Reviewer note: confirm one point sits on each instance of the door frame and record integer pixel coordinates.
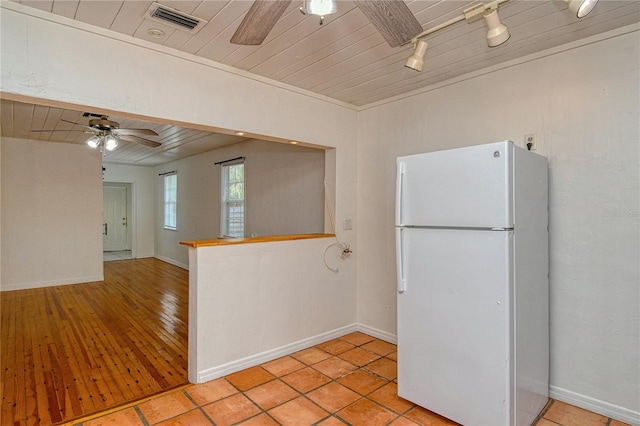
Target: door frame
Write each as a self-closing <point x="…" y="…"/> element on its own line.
<point x="131" y="208"/>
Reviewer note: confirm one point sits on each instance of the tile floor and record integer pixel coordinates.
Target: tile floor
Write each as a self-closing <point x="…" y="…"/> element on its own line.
<point x="116" y="255"/>
<point x="346" y="381"/>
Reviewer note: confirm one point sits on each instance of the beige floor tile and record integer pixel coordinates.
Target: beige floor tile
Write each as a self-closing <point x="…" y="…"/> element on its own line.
<point x="362" y="382"/>
<point x="305" y="380"/>
<point x="384" y="367"/>
<point x="271" y="394"/>
<point x="282" y="366"/>
<point x="231" y="410"/>
<point x="336" y="346"/>
<point x="387" y="396"/>
<point x="427" y="418"/>
<point x="403" y="421"/>
<point x="249" y="378"/>
<point x="334" y="367"/>
<point x="380" y="347"/>
<point x="299" y="412"/>
<point x="359" y="356"/>
<point x="357" y="338"/>
<point x="332" y="421"/>
<point x="311" y="355"/>
<point x="211" y="391"/>
<point x="366" y="413"/>
<point x="165" y="407"/>
<point x="569" y="415"/>
<point x="333" y="397"/>
<point x="260" y="420"/>
<point x="192" y="418"/>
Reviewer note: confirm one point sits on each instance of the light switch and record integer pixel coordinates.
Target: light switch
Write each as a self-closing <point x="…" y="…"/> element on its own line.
<point x="347" y="224"/>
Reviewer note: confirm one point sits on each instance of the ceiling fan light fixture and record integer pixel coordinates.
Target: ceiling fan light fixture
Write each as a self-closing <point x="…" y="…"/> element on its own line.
<point x="320" y="7"/>
<point x="497" y="32"/>
<point x="416" y="60"/>
<point x="94" y="141"/>
<point x="581" y="8"/>
<point x="110" y="142"/>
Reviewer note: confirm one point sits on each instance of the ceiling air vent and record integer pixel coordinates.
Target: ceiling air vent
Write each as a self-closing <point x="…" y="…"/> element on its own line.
<point x="175" y="18"/>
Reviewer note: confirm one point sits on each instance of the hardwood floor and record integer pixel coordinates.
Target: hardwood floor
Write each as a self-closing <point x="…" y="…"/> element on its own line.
<point x="68" y="351"/>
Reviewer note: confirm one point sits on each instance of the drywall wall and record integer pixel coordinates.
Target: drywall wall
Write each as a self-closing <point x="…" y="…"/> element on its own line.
<point x="284" y="194"/>
<point x="262" y="301"/>
<point x="143" y="197"/>
<point x="583" y="105"/>
<point x="51" y="214"/>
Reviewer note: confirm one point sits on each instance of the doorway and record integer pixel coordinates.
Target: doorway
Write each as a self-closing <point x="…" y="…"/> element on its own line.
<point x="116" y="223"/>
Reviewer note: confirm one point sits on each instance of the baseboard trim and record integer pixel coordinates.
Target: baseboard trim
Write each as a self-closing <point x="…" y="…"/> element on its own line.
<point x="604" y="408"/>
<point x="173" y="262"/>
<point x="379" y="334"/>
<point x="52" y="283"/>
<point x="260" y="358"/>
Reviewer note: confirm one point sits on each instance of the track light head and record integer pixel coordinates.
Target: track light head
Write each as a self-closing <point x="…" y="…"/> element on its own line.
<point x="497" y="32"/>
<point x="581" y="8"/>
<point x="416" y="60"/>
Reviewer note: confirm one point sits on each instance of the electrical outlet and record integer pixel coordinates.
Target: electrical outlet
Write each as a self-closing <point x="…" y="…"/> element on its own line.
<point x="530" y="141"/>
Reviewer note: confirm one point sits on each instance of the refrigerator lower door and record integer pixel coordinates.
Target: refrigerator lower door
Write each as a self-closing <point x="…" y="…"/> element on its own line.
<point x="455" y="354"/>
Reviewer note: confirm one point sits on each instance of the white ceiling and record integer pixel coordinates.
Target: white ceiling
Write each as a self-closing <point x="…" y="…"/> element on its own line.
<point x="345" y="58"/>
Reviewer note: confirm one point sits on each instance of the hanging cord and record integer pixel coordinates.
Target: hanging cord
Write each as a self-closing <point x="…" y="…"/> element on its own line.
<point x="346" y="249"/>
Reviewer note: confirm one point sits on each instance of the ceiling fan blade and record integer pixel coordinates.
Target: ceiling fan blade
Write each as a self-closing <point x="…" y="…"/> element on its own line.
<point x="258" y="22"/>
<point x="136" y="139"/>
<point x="77" y="124"/>
<point x="392" y="18"/>
<point x="55" y="130"/>
<point x="135" y="132"/>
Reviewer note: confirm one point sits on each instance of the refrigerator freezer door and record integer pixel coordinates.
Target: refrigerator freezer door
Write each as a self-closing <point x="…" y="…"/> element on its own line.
<point x="454" y="320"/>
<point x="465" y="187"/>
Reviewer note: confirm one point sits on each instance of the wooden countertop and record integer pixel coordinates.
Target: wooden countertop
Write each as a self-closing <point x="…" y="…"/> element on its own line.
<point x="265" y="239"/>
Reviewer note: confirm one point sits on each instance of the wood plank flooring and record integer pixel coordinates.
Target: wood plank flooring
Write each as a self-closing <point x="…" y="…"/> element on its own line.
<point x="68" y="351"/>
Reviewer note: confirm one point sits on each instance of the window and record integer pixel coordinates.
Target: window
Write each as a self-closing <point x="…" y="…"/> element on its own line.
<point x="232" y="215"/>
<point x="170" y="200"/>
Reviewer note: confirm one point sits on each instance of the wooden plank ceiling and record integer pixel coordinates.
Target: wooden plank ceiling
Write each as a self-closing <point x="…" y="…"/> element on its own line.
<point x="345" y="58"/>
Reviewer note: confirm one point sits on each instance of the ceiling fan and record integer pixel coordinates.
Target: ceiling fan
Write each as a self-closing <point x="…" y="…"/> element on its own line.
<point x="107" y="133"/>
<point x="392" y="18"/>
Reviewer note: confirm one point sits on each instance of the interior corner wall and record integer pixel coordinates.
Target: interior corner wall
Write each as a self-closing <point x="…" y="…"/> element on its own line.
<point x="583" y="106"/>
<point x="51" y="214"/>
<point x="142" y="181"/>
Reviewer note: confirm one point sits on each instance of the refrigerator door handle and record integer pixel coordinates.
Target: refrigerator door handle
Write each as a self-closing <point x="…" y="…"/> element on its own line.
<point x="399" y="263"/>
<point x="399" y="176"/>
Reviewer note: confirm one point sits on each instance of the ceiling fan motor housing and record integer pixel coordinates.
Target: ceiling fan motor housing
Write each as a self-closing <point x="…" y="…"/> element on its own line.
<point x="103" y="124"/>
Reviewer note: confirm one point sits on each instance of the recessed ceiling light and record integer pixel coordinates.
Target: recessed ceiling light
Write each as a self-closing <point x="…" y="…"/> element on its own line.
<point x="294" y="142"/>
<point x="239" y="133"/>
<point x="155" y="33"/>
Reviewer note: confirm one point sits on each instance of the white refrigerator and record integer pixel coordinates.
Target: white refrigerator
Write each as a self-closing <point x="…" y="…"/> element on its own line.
<point x="472" y="277"/>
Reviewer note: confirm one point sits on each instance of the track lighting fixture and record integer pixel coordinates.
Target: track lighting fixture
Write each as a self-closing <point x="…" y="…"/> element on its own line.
<point x="416" y="61"/>
<point x="581" y="8"/>
<point x="497" y="32"/>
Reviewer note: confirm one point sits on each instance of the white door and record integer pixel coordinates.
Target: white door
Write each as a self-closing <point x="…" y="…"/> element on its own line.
<point x="464" y="187"/>
<point x="114" y="218"/>
<point x="454" y="319"/>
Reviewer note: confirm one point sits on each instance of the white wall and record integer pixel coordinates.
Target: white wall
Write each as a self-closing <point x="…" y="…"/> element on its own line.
<point x="51" y="214"/>
<point x="583" y="106"/>
<point x="256" y="302"/>
<point x="284" y="190"/>
<point x="143" y="197"/>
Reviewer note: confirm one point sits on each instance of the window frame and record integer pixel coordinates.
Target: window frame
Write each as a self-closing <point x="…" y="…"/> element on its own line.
<point x="225" y="230"/>
<point x="170" y="203"/>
